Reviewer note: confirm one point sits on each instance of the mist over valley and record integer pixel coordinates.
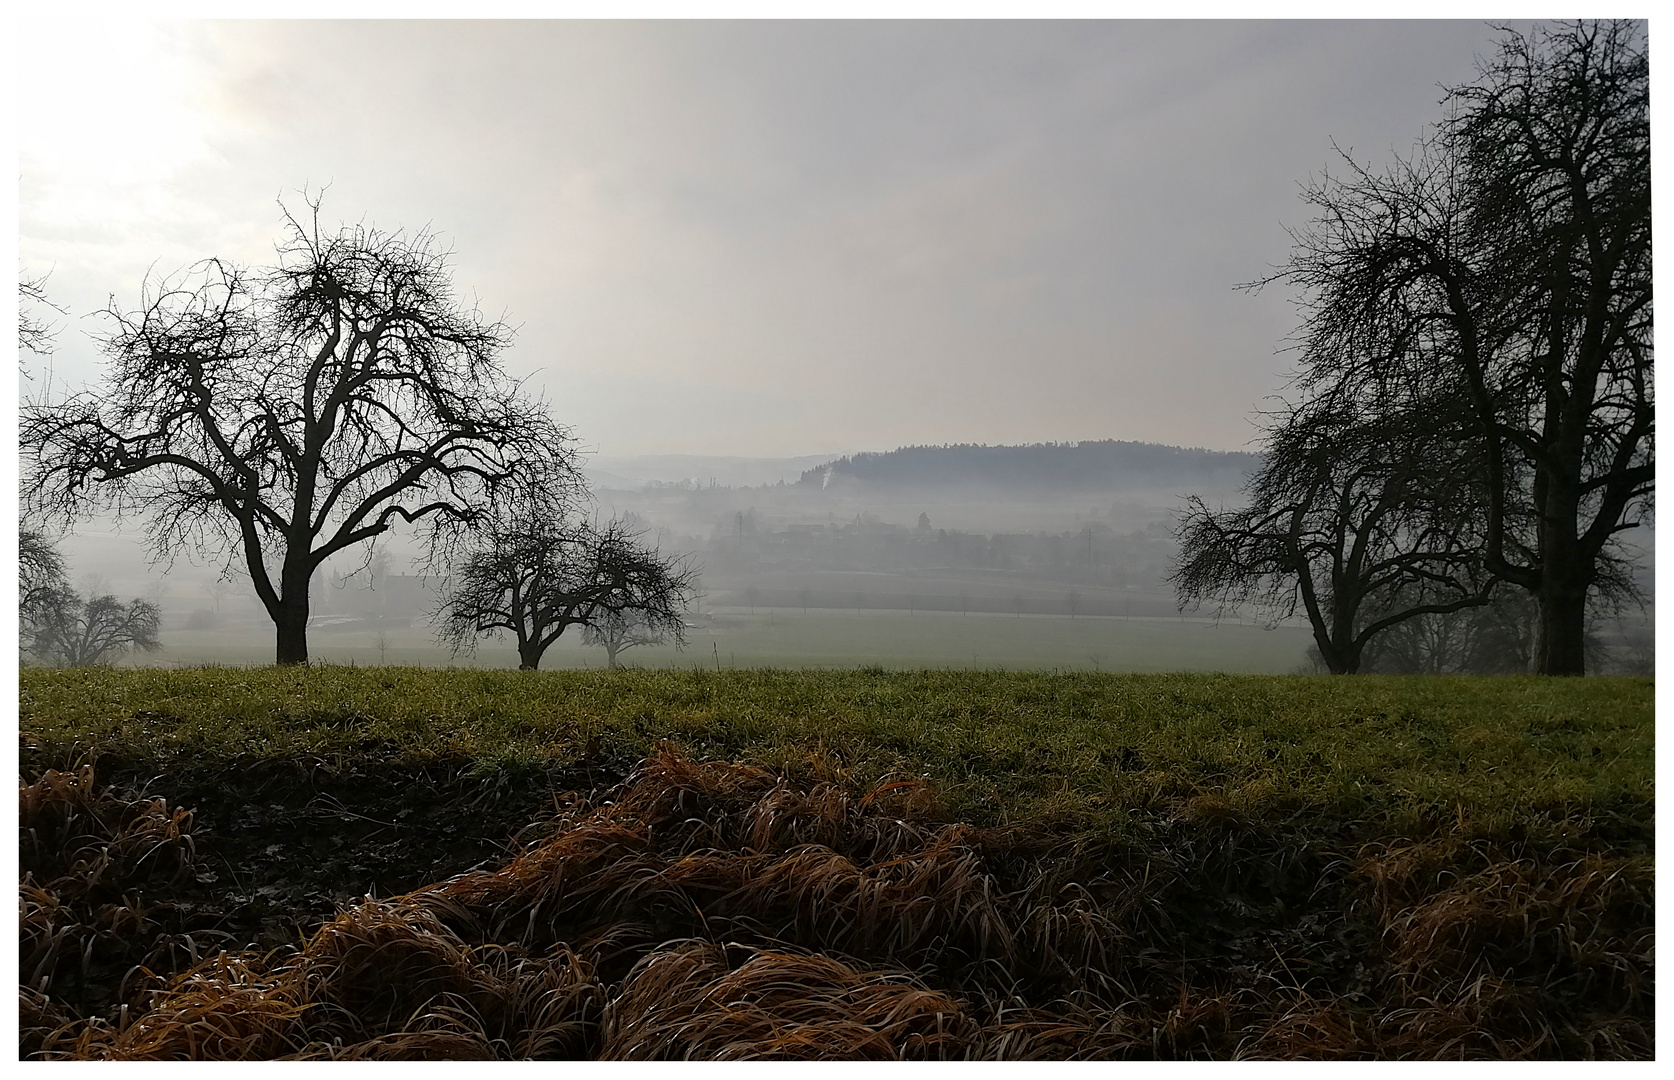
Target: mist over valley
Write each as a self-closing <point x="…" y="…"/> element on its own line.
<point x="1051" y="554"/>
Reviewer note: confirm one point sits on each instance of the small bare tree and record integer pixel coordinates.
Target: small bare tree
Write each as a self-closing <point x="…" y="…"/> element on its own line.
<point x="76" y="632"/>
<point x="279" y="416"/>
<point x="537" y="578"/>
<point x="618" y="631"/>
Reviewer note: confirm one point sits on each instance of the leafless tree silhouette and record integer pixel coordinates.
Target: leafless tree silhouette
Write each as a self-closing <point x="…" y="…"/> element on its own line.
<point x="1360" y="520"/>
<point x="281" y="415"/>
<point x="73" y="632"/>
<point x="536" y="577"/>
<point x="1511" y="256"/>
<point x="618" y="631"/>
<point x="40" y="581"/>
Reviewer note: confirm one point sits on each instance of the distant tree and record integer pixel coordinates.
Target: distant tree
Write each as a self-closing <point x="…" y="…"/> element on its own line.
<point x="76" y="632"/>
<point x="280" y="416"/>
<point x="537" y="578"/>
<point x="40" y="582"/>
<point x="1497" y="638"/>
<point x="1511" y="256"/>
<point x="217" y="591"/>
<point x="618" y="631"/>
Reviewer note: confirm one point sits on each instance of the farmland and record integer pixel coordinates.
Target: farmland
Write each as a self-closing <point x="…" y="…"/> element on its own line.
<point x="947" y="863"/>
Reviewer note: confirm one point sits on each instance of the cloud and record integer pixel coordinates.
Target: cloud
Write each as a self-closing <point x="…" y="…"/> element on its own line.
<point x="762" y="237"/>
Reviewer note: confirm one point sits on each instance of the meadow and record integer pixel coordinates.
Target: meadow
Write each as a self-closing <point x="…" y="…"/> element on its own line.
<point x="739" y="637"/>
<point x="752" y="863"/>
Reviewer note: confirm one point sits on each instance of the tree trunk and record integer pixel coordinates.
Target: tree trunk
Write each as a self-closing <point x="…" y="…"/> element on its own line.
<point x="1566" y="571"/>
<point x="610" y="653"/>
<point x="1335" y="640"/>
<point x="1561" y="632"/>
<point x="1341" y="658"/>
<point x="292" y="624"/>
<point x="291" y="620"/>
<point x="529" y="655"/>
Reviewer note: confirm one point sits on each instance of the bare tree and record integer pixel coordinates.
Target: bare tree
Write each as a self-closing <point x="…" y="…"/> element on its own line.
<point x="1361" y="522"/>
<point x="76" y="632"/>
<point x="537" y="577"/>
<point x="1494" y="639"/>
<point x="40" y="581"/>
<point x="281" y="415"/>
<point x="618" y="631"/>
<point x="1512" y="255"/>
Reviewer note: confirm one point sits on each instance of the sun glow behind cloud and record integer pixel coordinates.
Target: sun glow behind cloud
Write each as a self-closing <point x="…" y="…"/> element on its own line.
<point x="124" y="139"/>
<point x="115" y="108"/>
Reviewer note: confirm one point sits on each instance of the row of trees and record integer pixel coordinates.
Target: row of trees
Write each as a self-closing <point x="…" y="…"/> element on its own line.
<point x="1474" y="407"/>
<point x="276" y="417"/>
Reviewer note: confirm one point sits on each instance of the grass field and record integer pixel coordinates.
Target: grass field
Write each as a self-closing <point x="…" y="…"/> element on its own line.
<point x="1051" y="864"/>
<point x="1017" y="740"/>
<point x="791" y="638"/>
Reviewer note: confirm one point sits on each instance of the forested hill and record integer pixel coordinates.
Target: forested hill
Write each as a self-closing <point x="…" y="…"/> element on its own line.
<point x="1105" y="465"/>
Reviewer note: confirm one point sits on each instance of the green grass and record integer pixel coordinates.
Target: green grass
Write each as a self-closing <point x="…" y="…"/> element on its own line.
<point x="1082" y="746"/>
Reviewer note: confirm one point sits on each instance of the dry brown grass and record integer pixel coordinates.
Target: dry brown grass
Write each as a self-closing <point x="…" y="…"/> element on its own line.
<point x="700" y="1000"/>
<point x="1514" y="958"/>
<point x="76" y="836"/>
<point x="384" y="980"/>
<point x="87" y="859"/>
<point x="686" y="849"/>
<point x="718" y="911"/>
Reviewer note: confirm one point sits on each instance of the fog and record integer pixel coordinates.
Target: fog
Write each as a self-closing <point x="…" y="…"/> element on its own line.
<point x="794" y="567"/>
<point x="801" y="563"/>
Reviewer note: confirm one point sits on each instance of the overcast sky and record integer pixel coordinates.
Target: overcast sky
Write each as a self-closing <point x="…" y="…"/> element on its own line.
<point x="756" y="238"/>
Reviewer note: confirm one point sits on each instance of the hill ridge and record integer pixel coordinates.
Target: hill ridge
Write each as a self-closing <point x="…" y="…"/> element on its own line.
<point x="1083" y="464"/>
